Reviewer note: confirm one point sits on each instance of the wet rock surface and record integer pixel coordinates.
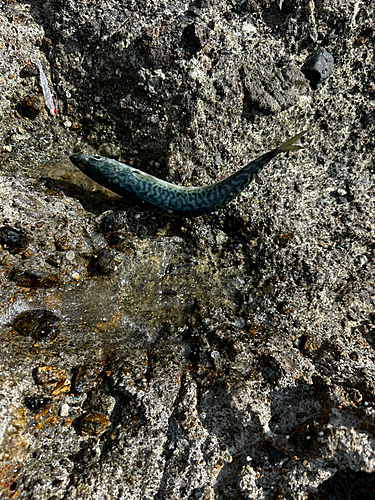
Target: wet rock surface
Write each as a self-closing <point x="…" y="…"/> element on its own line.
<point x="228" y="356"/>
<point x="38" y="324"/>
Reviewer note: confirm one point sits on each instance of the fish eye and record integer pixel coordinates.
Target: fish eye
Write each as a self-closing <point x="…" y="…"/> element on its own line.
<point x="97" y="157"/>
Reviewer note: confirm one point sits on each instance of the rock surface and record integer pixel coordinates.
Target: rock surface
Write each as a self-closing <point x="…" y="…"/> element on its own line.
<point x="228" y="356"/>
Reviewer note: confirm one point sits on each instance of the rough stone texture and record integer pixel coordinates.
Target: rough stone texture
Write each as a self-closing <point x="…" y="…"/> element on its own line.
<point x="229" y="356"/>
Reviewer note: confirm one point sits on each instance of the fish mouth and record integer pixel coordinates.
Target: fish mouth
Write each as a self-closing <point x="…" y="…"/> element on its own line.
<point x="78" y="160"/>
<point x="76" y="157"/>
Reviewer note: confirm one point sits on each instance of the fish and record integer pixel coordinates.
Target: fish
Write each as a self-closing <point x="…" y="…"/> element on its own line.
<point x="177" y="200"/>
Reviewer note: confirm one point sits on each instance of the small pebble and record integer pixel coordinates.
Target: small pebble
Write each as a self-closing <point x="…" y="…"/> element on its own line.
<point x="27" y="254"/>
<point x="218" y="161"/>
<point x="62" y="386"/>
<point x="48" y="375"/>
<point x="70" y="255"/>
<point x="36" y="403"/>
<point x="94" y="424"/>
<point x="362" y="260"/>
<point x="75" y="126"/>
<point x="64" y="410"/>
<point x="38" y="324"/>
<point x="33" y="104"/>
<point x="63" y="242"/>
<point x="12" y="239"/>
<point x="318" y="67"/>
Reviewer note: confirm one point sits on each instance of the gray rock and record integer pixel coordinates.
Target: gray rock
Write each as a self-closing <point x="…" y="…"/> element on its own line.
<point x="318" y="67"/>
<point x="275" y="282"/>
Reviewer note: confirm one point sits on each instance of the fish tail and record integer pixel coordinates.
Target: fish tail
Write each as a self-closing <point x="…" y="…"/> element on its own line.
<point x="289" y="144"/>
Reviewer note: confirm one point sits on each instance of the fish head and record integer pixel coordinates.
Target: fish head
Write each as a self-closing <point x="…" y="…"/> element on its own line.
<point x="88" y="164"/>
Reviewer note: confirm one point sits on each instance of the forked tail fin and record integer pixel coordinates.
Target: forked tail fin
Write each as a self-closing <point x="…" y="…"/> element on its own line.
<point x="289" y="144"/>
